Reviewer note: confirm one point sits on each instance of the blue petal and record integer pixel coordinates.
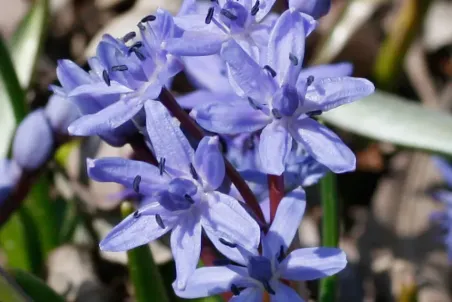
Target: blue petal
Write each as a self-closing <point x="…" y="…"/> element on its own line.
<point x="167" y="139"/>
<point x="186" y="248"/>
<point x="107" y="119"/>
<point x="209" y="162"/>
<point x="325" y="71"/>
<point x="187" y="7"/>
<point x="286" y="222"/>
<point x="124" y="171"/>
<point x="238" y="228"/>
<point x="324" y="145"/>
<point x="209" y="281"/>
<point x="10" y="173"/>
<point x="61" y="113"/>
<point x="202" y="97"/>
<point x="286" y="100"/>
<point x="193" y="43"/>
<point x="230" y="118"/>
<point x="328" y="93"/>
<point x="312" y="263"/>
<point x="285" y="293"/>
<point x="264" y="8"/>
<point x="274" y="147"/>
<point x="445" y="168"/>
<point x="207" y="72"/>
<point x="99" y="89"/>
<point x="286" y="47"/>
<point x="135" y="231"/>
<point x="71" y="75"/>
<point x="33" y="141"/>
<point x="444" y="196"/>
<point x="315" y="8"/>
<point x="253" y="294"/>
<point x="249" y="78"/>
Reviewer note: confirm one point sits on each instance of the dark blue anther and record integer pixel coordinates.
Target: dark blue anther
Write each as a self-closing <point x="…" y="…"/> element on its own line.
<point x="227" y="243"/>
<point x="209" y="15"/>
<point x="193" y="172"/>
<point x="270" y="70"/>
<point x="281" y="254"/>
<point x="148" y="18"/>
<point x="189" y="198"/>
<point x="268" y="288"/>
<point x="136" y="214"/>
<point x="221" y="262"/>
<point x="119" y="68"/>
<point x="141" y="26"/>
<point x="314" y="113"/>
<point x="310" y="80"/>
<point x="162" y="165"/>
<point x="293" y="59"/>
<point x="136" y="183"/>
<point x="276" y="113"/>
<point x="129" y="36"/>
<point x="139" y="55"/>
<point x="253" y="104"/>
<point x="106" y="77"/>
<point x="255" y="8"/>
<point x="235" y="290"/>
<point x="228" y="14"/>
<point x="159" y="221"/>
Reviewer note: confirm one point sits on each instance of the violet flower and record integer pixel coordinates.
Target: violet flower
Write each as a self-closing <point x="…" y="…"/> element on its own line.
<point x="179" y="196"/>
<point x="250" y="275"/>
<point x="282" y="103"/>
<point x="10" y="173"/>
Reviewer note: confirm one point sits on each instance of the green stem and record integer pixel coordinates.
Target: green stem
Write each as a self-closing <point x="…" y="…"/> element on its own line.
<point x="330" y="231"/>
<point x="407" y="25"/>
<point x="144" y="273"/>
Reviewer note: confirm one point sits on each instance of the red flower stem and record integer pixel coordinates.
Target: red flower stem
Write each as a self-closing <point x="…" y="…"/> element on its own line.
<point x="276" y="192"/>
<point x="167" y="99"/>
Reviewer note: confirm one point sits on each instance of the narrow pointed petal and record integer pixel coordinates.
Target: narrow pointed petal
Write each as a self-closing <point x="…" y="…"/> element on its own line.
<point x="247" y="74"/>
<point x="230" y="118"/>
<point x="71" y="75"/>
<point x="209" y="162"/>
<point x="285" y="293"/>
<point x="61" y="112"/>
<point x="324" y="145"/>
<point x="99" y="89"/>
<point x="136" y="230"/>
<point x="252" y="294"/>
<point x="186" y="248"/>
<point x="124" y="171"/>
<point x="209" y="281"/>
<point x="274" y="147"/>
<point x="312" y="263"/>
<point x="264" y="8"/>
<point x="166" y="137"/>
<point x="287" y="220"/>
<point x="325" y="71"/>
<point x="196" y="44"/>
<point x="202" y="97"/>
<point x="328" y="93"/>
<point x="236" y="254"/>
<point x="107" y="119"/>
<point x="315" y="8"/>
<point x="445" y="168"/>
<point x="197" y="23"/>
<point x="208" y="72"/>
<point x="286" y="47"/>
<point x="238" y="228"/>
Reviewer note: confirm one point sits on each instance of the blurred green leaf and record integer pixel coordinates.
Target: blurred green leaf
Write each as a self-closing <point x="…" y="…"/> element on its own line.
<point x="12" y="100"/>
<point x="145" y="275"/>
<point x="387" y="117"/>
<point x="35" y="287"/>
<point x="9" y="291"/>
<point x="353" y="17"/>
<point x="20" y="243"/>
<point x="27" y="41"/>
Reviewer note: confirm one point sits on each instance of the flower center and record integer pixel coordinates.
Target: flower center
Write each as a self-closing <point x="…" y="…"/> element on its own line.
<point x="260" y="268"/>
<point x="180" y="195"/>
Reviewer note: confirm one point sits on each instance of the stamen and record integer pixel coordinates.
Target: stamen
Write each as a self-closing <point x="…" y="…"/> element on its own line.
<point x="148" y="18"/>
<point x="159" y="221"/>
<point x="136" y="183"/>
<point x="314" y="113"/>
<point x="270" y="70"/>
<point x="139" y="55"/>
<point x="129" y="36"/>
<point x="209" y="15"/>
<point x="276" y="113"/>
<point x="235" y="290"/>
<point x="253" y="104"/>
<point x="268" y="288"/>
<point x="281" y="254"/>
<point x="137" y="44"/>
<point x="221" y="262"/>
<point x="227" y="243"/>
<point x="119" y="68"/>
<point x="141" y="26"/>
<point x="106" y="77"/>
<point x="255" y="8"/>
<point x="136" y="214"/>
<point x="189" y="198"/>
<point x="293" y="59"/>
<point x="228" y="14"/>
<point x="162" y="165"/>
<point x="193" y="172"/>
<point x="310" y="80"/>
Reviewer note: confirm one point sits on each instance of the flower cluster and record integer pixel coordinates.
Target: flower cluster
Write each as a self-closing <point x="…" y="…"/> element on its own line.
<point x="261" y="107"/>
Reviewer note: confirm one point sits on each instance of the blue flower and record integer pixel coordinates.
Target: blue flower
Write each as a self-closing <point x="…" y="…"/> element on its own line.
<point x="179" y="195"/>
<point x="61" y="113"/>
<point x="125" y="73"/>
<point x="10" y="173"/>
<point x="315" y="8"/>
<point x="246" y="22"/>
<point x="282" y="102"/>
<point x="255" y="274"/>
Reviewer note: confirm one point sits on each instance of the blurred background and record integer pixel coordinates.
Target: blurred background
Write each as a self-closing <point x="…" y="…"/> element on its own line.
<point x="395" y="251"/>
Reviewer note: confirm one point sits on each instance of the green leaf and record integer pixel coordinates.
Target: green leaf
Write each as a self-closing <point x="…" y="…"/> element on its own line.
<point x="27" y="41"/>
<point x="12" y="100"/>
<point x="387" y="117"/>
<point x="9" y="291"/>
<point x="146" y="278"/>
<point x="37" y="289"/>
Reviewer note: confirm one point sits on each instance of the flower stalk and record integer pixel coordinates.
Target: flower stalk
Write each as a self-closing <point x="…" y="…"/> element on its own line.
<point x="276" y="192"/>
